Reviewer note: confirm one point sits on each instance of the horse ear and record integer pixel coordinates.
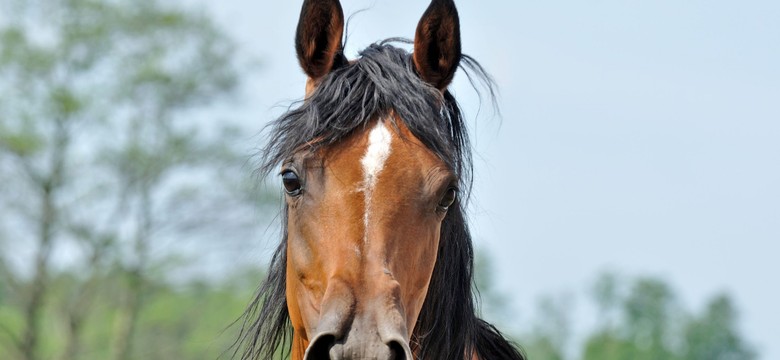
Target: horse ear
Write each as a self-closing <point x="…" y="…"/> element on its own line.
<point x="318" y="38"/>
<point x="437" y="44"/>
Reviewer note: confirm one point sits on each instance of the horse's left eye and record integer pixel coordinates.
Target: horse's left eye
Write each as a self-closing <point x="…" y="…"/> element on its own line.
<point x="292" y="183"/>
<point x="449" y="198"/>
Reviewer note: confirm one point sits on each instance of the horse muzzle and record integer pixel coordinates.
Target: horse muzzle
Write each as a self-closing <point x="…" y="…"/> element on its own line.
<point x="358" y="346"/>
<point x="372" y="332"/>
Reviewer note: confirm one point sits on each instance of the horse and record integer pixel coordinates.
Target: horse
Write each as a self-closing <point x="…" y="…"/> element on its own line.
<point x="376" y="259"/>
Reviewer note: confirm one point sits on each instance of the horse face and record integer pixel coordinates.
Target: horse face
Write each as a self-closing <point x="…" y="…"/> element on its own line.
<point x="365" y="213"/>
<point x="364" y="220"/>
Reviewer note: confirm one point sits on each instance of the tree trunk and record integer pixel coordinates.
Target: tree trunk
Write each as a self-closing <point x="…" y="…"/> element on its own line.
<point x="129" y="316"/>
<point x="73" y="345"/>
<point x="78" y="311"/>
<point x="136" y="278"/>
<point x="49" y="186"/>
<point x="29" y="345"/>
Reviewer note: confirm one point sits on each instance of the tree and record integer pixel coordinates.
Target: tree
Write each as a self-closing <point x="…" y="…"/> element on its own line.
<point x="714" y="335"/>
<point x="605" y="293"/>
<point x="552" y="329"/>
<point x="101" y="154"/>
<point x="646" y="324"/>
<point x="650" y="310"/>
<point x="651" y="325"/>
<point x="493" y="303"/>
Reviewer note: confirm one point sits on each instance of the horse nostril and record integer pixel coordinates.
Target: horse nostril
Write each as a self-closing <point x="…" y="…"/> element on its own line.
<point x="397" y="351"/>
<point x="319" y="349"/>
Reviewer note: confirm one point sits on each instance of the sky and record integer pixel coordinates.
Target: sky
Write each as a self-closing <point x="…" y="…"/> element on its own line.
<point x="641" y="137"/>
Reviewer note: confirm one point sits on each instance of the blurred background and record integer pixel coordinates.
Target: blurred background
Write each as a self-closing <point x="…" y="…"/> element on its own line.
<point x="626" y="201"/>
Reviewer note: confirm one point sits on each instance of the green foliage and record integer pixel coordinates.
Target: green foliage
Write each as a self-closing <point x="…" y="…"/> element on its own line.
<point x="494" y="304"/>
<point x="96" y="105"/>
<point x="605" y="294"/>
<point x="180" y="321"/>
<point x="638" y="320"/>
<point x="552" y="329"/>
<point x="649" y="310"/>
<point x="714" y="336"/>
<point x="18" y="53"/>
<point x="24" y="142"/>
<point x="65" y="102"/>
<point x="542" y="348"/>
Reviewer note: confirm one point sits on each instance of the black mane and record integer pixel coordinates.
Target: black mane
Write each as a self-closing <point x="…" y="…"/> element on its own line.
<point x="381" y="81"/>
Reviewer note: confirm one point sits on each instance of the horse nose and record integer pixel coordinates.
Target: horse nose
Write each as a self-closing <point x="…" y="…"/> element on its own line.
<point x="319" y="349"/>
<point x="399" y="350"/>
<point x="327" y="347"/>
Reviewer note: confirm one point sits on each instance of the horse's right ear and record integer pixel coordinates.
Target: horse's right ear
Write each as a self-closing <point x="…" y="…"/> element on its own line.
<point x="318" y="39"/>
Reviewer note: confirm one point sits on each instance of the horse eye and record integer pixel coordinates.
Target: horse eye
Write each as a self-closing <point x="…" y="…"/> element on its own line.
<point x="291" y="182"/>
<point x="449" y="198"/>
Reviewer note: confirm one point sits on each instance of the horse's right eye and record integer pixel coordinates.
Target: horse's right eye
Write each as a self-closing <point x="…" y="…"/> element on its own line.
<point x="292" y="183"/>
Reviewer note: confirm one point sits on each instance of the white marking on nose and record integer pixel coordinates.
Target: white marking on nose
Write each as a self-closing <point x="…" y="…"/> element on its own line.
<point x="379" y="141"/>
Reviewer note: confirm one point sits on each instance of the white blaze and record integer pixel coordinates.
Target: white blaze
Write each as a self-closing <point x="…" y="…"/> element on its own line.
<point x="377" y="153"/>
<point x="373" y="161"/>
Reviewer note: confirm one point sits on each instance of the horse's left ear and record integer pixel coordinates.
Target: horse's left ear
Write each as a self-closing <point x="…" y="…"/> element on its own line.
<point x="318" y="38"/>
<point x="437" y="44"/>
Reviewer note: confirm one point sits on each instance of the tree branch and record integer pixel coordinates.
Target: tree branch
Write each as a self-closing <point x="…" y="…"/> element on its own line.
<point x="6" y="273"/>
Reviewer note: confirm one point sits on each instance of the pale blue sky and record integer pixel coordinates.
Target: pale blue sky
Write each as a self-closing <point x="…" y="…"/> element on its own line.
<point x="637" y="136"/>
